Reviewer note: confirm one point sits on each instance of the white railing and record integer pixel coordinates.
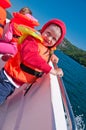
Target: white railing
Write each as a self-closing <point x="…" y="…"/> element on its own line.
<point x="63" y="114"/>
<point x="71" y="123"/>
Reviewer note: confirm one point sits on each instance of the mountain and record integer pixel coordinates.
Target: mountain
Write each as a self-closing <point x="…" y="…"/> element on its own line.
<point x="74" y="52"/>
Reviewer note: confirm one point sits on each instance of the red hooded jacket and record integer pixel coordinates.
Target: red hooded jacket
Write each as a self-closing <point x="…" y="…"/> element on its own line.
<point x="32" y="55"/>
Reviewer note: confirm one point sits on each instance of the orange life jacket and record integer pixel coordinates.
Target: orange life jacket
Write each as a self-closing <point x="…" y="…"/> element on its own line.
<point x="24" y="21"/>
<point x="3" y="5"/>
<point x="2" y="20"/>
<point x="16" y="33"/>
<point x="12" y="67"/>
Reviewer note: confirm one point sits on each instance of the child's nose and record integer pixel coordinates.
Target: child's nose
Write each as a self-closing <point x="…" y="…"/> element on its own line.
<point x="50" y="39"/>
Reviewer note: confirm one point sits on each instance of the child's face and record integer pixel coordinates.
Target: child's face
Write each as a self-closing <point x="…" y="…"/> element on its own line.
<point x="51" y="35"/>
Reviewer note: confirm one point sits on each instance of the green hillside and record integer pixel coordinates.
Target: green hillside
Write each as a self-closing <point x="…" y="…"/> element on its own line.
<point x="74" y="52"/>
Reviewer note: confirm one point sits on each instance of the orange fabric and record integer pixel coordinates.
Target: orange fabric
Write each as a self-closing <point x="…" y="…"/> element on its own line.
<point x="2" y="15"/>
<point x="5" y="3"/>
<point x="2" y="20"/>
<point x="17" y="74"/>
<point x="22" y="19"/>
<point x="16" y="32"/>
<point x="12" y="67"/>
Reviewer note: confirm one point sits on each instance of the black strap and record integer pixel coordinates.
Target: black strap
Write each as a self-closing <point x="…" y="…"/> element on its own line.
<point x="30" y="71"/>
<point x="28" y="89"/>
<point x="1" y="25"/>
<point x="15" y="36"/>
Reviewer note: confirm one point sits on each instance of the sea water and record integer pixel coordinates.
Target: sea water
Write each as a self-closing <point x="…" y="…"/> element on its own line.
<point x="75" y="83"/>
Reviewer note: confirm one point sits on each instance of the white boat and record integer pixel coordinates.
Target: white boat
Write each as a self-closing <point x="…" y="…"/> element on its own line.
<point x="45" y="107"/>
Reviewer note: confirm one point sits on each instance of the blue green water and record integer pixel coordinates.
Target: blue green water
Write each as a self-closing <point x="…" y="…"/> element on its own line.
<point x="75" y="83"/>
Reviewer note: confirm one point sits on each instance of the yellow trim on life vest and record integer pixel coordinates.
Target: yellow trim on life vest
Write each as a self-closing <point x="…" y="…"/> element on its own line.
<point x="29" y="31"/>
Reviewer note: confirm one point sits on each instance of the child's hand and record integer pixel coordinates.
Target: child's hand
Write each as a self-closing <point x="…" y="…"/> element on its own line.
<point x="54" y="58"/>
<point x="57" y="71"/>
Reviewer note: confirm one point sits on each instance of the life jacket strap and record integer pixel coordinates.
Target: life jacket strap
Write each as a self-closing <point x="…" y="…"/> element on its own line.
<point x="15" y="36"/>
<point x="30" y="71"/>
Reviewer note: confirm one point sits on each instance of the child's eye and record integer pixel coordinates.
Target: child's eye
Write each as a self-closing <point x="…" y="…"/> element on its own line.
<point x="54" y="39"/>
<point x="48" y="34"/>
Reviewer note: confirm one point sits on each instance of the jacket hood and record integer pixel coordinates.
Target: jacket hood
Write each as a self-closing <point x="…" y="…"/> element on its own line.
<point x="58" y="23"/>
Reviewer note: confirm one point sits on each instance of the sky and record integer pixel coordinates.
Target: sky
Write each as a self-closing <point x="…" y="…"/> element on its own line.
<point x="71" y="12"/>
